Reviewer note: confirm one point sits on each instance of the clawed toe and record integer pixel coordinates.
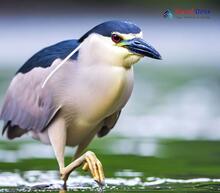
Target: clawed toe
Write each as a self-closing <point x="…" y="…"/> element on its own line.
<point x="94" y="165"/>
<point x="91" y="163"/>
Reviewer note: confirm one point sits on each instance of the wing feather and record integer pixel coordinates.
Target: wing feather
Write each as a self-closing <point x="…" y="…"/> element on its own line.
<point x="27" y="106"/>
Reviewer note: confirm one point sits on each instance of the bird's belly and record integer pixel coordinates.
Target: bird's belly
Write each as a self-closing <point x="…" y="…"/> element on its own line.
<point x="105" y="94"/>
<point x="96" y="98"/>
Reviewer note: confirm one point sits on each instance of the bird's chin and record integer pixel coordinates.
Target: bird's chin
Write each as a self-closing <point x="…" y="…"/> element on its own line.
<point x="131" y="59"/>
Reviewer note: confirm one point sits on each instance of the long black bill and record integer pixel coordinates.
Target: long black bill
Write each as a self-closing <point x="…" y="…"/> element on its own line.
<point x="139" y="46"/>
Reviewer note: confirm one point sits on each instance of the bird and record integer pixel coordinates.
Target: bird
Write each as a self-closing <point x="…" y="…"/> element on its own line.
<point x="70" y="92"/>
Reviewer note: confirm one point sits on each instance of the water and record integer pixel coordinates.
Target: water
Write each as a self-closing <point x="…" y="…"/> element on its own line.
<point x="174" y="165"/>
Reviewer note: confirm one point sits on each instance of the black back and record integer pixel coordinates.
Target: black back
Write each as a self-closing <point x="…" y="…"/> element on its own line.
<point x="45" y="57"/>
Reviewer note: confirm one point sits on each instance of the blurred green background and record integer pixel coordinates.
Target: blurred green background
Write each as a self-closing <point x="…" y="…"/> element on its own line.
<point x="167" y="136"/>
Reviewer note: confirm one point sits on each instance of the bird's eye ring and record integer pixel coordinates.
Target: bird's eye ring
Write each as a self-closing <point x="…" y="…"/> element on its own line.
<point x="116" y="38"/>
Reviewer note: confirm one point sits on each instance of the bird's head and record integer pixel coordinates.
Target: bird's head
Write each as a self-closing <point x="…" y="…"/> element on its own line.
<point x="117" y="43"/>
<point x="112" y="43"/>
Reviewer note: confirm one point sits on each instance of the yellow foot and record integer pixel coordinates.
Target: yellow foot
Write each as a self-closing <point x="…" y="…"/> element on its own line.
<point x="90" y="162"/>
<point x="94" y="165"/>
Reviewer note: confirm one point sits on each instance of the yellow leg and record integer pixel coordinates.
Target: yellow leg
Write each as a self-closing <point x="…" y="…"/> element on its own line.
<point x="90" y="162"/>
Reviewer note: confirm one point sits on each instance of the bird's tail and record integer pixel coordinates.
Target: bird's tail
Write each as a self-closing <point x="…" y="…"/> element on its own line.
<point x="12" y="131"/>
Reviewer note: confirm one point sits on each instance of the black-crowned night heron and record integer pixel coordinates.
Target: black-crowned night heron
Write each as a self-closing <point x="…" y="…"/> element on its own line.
<point x="69" y="92"/>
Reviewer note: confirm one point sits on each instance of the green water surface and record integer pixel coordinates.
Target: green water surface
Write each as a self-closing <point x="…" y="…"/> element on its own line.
<point x="173" y="159"/>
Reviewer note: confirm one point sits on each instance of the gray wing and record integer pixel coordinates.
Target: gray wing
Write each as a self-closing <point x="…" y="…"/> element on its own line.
<point x="109" y="123"/>
<point x="27" y="106"/>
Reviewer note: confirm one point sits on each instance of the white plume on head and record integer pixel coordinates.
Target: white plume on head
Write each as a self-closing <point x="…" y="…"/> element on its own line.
<point x="59" y="65"/>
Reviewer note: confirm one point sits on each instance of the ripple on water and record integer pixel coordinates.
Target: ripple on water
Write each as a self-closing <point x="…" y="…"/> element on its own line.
<point x="32" y="180"/>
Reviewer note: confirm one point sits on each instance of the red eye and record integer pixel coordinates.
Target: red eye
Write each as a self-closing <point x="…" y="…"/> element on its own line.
<point x="116" y="38"/>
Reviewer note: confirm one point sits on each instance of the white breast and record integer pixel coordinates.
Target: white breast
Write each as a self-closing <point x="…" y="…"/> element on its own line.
<point x="96" y="93"/>
<point x="104" y="91"/>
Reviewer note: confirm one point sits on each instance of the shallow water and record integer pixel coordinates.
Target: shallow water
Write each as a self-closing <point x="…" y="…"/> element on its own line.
<point x="47" y="181"/>
<point x="173" y="165"/>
